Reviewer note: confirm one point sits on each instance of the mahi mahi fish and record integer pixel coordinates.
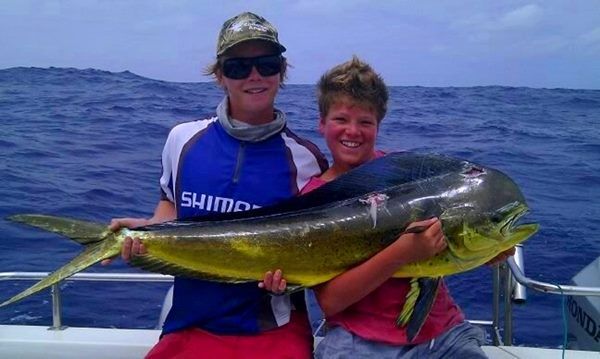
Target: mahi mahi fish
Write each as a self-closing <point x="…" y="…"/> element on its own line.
<point x="317" y="236"/>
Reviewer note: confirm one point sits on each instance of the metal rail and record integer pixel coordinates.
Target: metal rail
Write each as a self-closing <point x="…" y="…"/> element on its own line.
<point x="551" y="288"/>
<point x="96" y="277"/>
<point x="511" y="283"/>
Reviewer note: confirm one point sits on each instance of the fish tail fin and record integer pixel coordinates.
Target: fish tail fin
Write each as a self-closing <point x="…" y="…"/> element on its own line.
<point x="419" y="301"/>
<point x="82" y="232"/>
<point x="93" y="254"/>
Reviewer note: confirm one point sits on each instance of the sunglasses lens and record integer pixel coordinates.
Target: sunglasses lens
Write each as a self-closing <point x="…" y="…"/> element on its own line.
<point x="237" y="69"/>
<point x="240" y="68"/>
<point x="268" y="65"/>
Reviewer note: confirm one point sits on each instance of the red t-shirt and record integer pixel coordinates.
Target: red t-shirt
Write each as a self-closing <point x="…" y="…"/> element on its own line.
<point x="374" y="316"/>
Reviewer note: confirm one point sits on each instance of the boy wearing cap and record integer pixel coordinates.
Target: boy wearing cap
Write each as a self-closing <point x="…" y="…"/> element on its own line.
<point x="244" y="157"/>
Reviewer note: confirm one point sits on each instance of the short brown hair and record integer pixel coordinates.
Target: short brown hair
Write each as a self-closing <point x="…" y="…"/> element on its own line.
<point x="358" y="81"/>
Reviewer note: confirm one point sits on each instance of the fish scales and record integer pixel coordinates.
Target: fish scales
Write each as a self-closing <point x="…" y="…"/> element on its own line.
<point x="331" y="235"/>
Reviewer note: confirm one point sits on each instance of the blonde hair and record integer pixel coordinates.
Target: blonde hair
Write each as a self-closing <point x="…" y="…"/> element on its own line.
<point x="356" y="80"/>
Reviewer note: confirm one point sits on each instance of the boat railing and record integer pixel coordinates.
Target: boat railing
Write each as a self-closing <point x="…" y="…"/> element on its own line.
<point x="508" y="280"/>
<point x="509" y="286"/>
<point x="89" y="277"/>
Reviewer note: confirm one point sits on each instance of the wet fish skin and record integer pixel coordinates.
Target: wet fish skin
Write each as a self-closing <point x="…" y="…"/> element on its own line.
<point x="478" y="206"/>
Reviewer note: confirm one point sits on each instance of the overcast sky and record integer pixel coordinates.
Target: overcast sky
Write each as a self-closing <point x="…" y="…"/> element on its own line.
<point x="427" y="43"/>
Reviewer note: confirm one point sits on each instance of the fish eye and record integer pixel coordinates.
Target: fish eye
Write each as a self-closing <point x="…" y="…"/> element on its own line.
<point x="496" y="218"/>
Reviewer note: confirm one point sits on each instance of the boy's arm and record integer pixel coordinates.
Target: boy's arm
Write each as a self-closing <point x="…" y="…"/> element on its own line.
<point x="354" y="284"/>
<point x="164" y="211"/>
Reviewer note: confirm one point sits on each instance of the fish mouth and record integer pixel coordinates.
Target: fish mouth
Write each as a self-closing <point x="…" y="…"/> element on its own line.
<point x="482" y="242"/>
<point x="512" y="212"/>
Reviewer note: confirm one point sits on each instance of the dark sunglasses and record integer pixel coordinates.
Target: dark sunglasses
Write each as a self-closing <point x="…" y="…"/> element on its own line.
<point x="240" y="67"/>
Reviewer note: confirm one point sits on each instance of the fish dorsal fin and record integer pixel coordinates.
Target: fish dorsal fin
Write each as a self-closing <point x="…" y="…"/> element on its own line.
<point x="156" y="265"/>
<point x="390" y="170"/>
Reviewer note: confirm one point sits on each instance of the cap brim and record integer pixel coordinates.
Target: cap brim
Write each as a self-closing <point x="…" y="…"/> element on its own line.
<point x="267" y="39"/>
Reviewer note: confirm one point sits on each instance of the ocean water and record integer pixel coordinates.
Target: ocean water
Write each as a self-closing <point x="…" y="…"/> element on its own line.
<point x="87" y="144"/>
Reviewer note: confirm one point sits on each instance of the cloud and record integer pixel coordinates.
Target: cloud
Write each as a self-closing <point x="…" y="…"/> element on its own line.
<point x="591" y="37"/>
<point x="545" y="45"/>
<point x="327" y="7"/>
<point x="179" y="22"/>
<point x="469" y="41"/>
<point x="525" y="16"/>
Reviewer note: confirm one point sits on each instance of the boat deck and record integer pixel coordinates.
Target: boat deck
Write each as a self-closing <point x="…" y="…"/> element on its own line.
<point x="26" y="341"/>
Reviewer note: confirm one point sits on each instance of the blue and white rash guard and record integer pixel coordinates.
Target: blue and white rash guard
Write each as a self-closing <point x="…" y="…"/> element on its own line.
<point x="206" y="170"/>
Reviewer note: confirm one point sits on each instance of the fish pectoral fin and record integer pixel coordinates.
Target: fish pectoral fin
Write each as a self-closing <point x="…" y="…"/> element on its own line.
<point x="82" y="232"/>
<point x="474" y="241"/>
<point x="154" y="264"/>
<point x="419" y="301"/>
<point x="409" y="303"/>
<point x="93" y="254"/>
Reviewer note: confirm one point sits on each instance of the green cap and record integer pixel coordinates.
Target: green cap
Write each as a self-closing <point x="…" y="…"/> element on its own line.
<point x="243" y="27"/>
